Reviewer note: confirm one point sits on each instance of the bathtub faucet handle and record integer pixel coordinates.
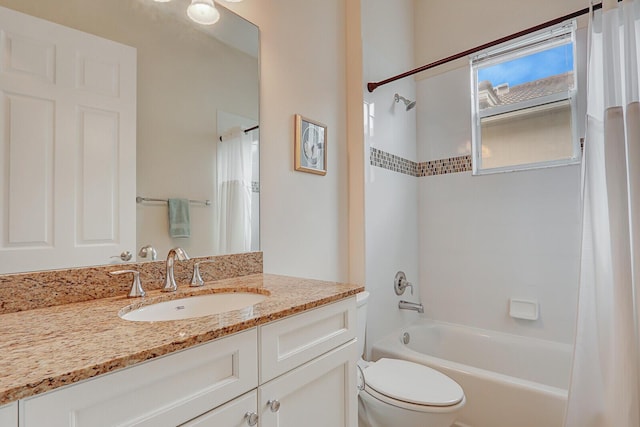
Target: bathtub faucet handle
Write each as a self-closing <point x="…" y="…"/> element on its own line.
<point x="400" y="283"/>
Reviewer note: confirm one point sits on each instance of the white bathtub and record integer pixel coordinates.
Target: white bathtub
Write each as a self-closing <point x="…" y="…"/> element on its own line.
<point x="508" y="380"/>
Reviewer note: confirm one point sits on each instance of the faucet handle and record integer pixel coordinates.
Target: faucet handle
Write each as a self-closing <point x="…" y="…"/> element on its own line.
<point x="196" y="279"/>
<point x="136" y="286"/>
<point x="148" y="250"/>
<point x="400" y="283"/>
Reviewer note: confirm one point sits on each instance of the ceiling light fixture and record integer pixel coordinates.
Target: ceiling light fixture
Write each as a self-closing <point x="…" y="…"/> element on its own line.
<point x="203" y="12"/>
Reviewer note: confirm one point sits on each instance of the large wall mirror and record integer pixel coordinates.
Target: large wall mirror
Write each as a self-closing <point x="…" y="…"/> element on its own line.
<point x="196" y="138"/>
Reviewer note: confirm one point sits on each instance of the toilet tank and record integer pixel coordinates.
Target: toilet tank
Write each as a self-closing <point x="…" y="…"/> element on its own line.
<point x="361" y="318"/>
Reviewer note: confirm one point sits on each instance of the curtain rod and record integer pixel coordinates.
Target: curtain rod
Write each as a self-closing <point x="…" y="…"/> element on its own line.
<point x="245" y="131"/>
<point x="371" y="86"/>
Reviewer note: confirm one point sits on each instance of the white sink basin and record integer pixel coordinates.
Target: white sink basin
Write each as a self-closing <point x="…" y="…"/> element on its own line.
<point x="195" y="306"/>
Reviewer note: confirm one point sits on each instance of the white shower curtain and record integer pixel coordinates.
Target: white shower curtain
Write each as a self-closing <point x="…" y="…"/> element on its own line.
<point x="234" y="193"/>
<point x="605" y="387"/>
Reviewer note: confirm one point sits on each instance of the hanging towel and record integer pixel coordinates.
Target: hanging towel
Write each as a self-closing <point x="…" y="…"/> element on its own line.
<point x="179" y="218"/>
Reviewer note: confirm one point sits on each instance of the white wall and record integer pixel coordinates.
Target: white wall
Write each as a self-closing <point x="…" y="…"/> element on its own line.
<point x="390" y="197"/>
<point x="302" y="70"/>
<point x="485" y="239"/>
<point x="446" y="28"/>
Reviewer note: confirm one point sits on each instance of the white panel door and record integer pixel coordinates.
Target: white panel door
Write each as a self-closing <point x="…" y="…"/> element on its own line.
<point x="319" y="393"/>
<point x="67" y="146"/>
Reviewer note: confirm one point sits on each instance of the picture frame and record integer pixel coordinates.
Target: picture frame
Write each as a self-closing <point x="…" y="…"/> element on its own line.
<point x="310" y="148"/>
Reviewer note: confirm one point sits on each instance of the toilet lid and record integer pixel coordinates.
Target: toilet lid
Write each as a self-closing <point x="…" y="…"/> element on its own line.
<point x="413" y="383"/>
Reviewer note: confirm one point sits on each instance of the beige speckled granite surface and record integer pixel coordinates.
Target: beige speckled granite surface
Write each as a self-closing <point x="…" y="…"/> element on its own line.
<point x="27" y="291"/>
<point x="42" y="349"/>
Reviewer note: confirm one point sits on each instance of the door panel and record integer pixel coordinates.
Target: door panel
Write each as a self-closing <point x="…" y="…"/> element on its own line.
<point x="30" y="138"/>
<point x="98" y="169"/>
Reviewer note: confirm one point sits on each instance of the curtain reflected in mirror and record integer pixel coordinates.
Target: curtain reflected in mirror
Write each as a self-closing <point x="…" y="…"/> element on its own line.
<point x="234" y="189"/>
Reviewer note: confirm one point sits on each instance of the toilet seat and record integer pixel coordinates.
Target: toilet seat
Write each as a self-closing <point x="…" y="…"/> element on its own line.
<point x="411" y="386"/>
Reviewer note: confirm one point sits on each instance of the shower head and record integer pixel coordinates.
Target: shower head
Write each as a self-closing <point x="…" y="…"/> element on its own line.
<point x="408" y="104"/>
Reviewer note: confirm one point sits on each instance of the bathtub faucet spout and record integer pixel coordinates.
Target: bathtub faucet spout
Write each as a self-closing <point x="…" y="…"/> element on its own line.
<point x="407" y="305"/>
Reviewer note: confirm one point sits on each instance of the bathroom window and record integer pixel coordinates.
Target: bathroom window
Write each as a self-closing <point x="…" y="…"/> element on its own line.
<point x="524" y="97"/>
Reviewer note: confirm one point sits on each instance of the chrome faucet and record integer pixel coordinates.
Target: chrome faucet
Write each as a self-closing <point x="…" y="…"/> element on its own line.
<point x="407" y="305"/>
<point x="169" y="279"/>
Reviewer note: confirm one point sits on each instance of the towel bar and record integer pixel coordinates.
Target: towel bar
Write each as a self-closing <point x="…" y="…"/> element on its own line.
<point x="196" y="202"/>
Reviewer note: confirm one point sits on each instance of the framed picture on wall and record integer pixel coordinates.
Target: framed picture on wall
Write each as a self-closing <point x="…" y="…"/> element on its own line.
<point x="310" y="151"/>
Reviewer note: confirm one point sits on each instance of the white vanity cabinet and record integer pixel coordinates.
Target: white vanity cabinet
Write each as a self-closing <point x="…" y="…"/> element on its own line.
<point x="9" y="415"/>
<point x="299" y="370"/>
<point x="308" y="369"/>
<point x="166" y="391"/>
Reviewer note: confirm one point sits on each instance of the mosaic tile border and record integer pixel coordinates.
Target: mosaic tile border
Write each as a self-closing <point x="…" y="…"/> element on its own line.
<point x="445" y="166"/>
<point x="399" y="164"/>
<point x="392" y="162"/>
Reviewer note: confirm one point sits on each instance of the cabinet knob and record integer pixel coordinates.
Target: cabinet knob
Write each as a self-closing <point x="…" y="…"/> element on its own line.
<point x="252" y="418"/>
<point x="274" y="405"/>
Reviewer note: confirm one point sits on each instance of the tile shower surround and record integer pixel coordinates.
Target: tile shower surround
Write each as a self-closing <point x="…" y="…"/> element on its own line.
<point x="434" y="167"/>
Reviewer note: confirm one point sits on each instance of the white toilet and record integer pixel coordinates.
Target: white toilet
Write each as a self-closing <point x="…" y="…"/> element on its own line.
<point x="398" y="393"/>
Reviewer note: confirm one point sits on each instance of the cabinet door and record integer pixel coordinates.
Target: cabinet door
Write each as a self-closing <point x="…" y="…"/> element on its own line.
<point x="9" y="415"/>
<point x="239" y="412"/>
<point x="162" y="392"/>
<point x="320" y="393"/>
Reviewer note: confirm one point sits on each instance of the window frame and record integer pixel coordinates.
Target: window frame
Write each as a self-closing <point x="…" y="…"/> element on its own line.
<point x="543" y="40"/>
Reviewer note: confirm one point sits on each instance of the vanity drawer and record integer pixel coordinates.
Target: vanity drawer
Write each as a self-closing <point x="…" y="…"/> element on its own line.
<point x="161" y="392"/>
<point x="288" y="343"/>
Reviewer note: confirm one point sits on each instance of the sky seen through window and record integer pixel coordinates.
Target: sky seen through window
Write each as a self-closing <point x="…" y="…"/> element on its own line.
<point x="529" y="68"/>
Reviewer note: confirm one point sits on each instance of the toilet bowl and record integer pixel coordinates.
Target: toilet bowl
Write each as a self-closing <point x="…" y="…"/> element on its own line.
<point x="400" y="393"/>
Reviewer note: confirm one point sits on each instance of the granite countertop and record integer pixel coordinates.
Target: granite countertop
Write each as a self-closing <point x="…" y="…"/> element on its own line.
<point x="46" y="348"/>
